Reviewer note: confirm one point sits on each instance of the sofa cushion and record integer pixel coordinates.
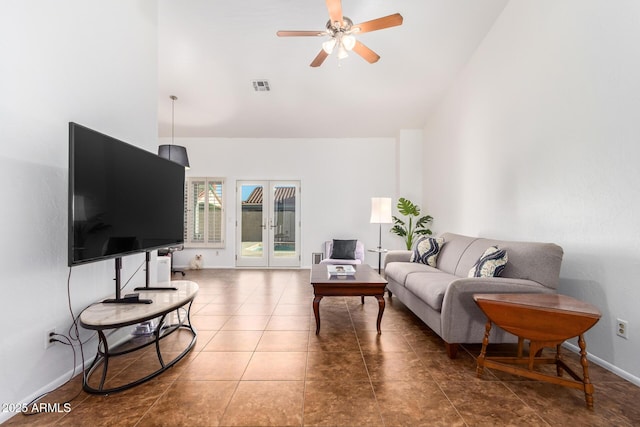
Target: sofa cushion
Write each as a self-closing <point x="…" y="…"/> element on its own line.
<point x="429" y="286"/>
<point x="398" y="271"/>
<point x="450" y="255"/>
<point x="426" y="250"/>
<point x="490" y="264"/>
<point x="343" y="249"/>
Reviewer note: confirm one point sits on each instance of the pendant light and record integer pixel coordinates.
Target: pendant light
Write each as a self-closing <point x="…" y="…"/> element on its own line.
<point x="175" y="153"/>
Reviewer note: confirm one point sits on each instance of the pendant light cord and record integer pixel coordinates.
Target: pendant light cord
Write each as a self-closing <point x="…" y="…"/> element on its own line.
<point x="173" y="103"/>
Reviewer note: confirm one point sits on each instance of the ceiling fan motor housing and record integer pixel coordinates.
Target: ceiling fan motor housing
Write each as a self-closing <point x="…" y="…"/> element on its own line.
<point x="339" y="27"/>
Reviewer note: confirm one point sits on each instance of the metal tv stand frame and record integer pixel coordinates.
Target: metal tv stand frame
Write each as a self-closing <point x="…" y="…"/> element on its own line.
<point x="171" y="308"/>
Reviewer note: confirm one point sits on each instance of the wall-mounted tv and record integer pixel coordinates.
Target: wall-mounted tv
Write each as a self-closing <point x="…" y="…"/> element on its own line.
<point x="122" y="199"/>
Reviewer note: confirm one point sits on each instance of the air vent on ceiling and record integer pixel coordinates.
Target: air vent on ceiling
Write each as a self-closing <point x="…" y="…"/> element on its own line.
<point x="261" y="86"/>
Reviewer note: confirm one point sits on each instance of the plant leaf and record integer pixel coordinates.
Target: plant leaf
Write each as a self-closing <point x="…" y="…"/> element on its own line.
<point x="400" y="231"/>
<point x="398" y="221"/>
<point x="407" y="208"/>
<point x="424" y="231"/>
<point x="422" y="222"/>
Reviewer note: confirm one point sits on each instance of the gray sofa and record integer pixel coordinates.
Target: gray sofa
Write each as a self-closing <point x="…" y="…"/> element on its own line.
<point x="442" y="297"/>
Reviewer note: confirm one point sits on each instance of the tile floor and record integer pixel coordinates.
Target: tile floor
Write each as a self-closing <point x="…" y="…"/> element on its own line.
<point x="258" y="362"/>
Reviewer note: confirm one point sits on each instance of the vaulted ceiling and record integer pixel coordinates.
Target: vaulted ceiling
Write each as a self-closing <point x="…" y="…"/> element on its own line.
<point x="211" y="51"/>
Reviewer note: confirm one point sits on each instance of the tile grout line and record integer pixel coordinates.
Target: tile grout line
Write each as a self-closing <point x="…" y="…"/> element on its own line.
<point x="462" y="373"/>
<point x="175" y="380"/>
<point x="364" y="362"/>
<point x="235" y="390"/>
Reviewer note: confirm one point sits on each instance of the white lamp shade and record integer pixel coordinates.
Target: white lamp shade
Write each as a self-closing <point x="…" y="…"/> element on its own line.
<point x="381" y="210"/>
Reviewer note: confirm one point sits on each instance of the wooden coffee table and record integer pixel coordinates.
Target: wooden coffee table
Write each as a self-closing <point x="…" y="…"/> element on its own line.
<point x="365" y="282"/>
<point x="546" y="320"/>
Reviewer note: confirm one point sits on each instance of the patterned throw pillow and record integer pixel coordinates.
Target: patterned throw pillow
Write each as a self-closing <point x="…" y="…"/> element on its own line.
<point x="426" y="250"/>
<point x="490" y="264"/>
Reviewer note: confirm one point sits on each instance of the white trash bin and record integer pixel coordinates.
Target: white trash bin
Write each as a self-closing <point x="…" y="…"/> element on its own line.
<point x="164" y="269"/>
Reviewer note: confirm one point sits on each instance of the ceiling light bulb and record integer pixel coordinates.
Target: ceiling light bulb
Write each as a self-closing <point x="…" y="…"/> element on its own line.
<point x="348" y="41"/>
<point x="329" y="45"/>
<point x="342" y="52"/>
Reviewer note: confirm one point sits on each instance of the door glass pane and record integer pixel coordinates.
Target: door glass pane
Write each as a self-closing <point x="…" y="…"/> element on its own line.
<point x="252" y="224"/>
<point x="284" y="221"/>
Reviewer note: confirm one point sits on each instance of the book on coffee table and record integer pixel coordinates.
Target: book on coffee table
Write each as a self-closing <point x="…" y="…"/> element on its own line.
<point x="340" y="270"/>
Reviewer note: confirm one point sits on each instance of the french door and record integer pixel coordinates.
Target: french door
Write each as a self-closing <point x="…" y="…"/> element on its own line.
<point x="268" y="224"/>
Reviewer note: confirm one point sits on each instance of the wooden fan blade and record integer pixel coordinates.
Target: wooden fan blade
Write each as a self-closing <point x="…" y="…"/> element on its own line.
<point x="369" y="55"/>
<point x="378" y="24"/>
<point x="300" y="33"/>
<point x="319" y="59"/>
<point x="335" y="10"/>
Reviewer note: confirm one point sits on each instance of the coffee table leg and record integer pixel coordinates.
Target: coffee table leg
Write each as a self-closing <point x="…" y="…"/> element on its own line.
<point x="316" y="312"/>
<point x="380" y="311"/>
<point x="588" y="387"/>
<point x="559" y="360"/>
<point x="483" y="351"/>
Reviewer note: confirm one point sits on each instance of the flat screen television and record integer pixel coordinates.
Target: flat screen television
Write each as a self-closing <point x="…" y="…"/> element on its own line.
<point x="122" y="199"/>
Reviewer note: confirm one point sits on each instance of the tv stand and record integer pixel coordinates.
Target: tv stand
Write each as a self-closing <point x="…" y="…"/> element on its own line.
<point x="146" y="287"/>
<point x="169" y="314"/>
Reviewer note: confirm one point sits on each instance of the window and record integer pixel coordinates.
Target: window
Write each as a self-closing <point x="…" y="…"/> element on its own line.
<point x="204" y="213"/>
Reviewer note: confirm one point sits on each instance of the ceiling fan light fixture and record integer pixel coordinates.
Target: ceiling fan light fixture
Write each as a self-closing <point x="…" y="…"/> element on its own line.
<point x="328" y="45"/>
<point x="342" y="52"/>
<point x="342" y="32"/>
<point x="348" y="41"/>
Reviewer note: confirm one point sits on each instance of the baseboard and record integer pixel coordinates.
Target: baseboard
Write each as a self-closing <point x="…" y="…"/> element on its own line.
<point x="53" y="385"/>
<point x="604" y="364"/>
<point x="62" y="379"/>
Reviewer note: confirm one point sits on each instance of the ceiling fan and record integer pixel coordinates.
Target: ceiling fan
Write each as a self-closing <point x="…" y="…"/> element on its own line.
<point x="341" y="31"/>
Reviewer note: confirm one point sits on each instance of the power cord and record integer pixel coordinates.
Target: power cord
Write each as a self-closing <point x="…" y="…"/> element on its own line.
<point x="54" y="337"/>
<point x="74" y="335"/>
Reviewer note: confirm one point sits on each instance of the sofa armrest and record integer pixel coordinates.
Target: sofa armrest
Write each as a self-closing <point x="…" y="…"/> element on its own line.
<point x="462" y="321"/>
<point x="397" y="256"/>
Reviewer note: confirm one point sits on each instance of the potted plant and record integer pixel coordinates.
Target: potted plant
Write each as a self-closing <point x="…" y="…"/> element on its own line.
<point x="408" y="230"/>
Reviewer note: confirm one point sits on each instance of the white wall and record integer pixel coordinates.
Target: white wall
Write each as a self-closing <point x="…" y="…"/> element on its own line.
<point x="409" y="166"/>
<point x="538" y="140"/>
<point x="338" y="178"/>
<point x="71" y="60"/>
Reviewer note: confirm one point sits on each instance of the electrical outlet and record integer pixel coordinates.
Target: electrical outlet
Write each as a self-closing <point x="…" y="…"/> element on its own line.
<point x="48" y="335"/>
<point x="622" y="328"/>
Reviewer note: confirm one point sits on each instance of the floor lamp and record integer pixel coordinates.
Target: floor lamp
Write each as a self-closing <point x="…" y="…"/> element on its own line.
<point x="380" y="214"/>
